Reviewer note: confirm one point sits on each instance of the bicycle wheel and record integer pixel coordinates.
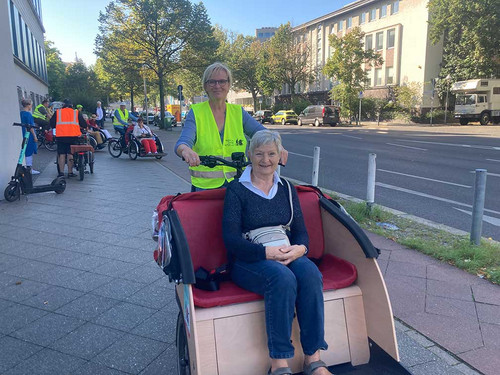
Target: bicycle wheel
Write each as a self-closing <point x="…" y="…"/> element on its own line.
<point x="50" y="145"/>
<point x="181" y="342"/>
<point x="114" y="148"/>
<point x="81" y="167"/>
<point x="12" y="191"/>
<point x="91" y="162"/>
<point x="132" y="150"/>
<point x="93" y="142"/>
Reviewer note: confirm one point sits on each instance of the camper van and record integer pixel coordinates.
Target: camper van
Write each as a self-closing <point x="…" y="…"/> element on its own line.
<point x="477" y="99"/>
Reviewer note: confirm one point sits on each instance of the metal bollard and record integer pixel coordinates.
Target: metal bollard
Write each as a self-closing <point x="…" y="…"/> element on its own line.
<point x="315" y="172"/>
<point x="370" y="190"/>
<point x="478" y="206"/>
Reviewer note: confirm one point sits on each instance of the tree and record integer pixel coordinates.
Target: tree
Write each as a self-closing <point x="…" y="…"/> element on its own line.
<point x="245" y="59"/>
<point x="409" y="98"/>
<point x="55" y="70"/>
<point x="288" y="60"/>
<point x="470" y="34"/>
<point x="166" y="35"/>
<point x="80" y="85"/>
<point x="346" y="65"/>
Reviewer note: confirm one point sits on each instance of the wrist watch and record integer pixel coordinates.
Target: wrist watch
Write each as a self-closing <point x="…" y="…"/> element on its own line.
<point x="307" y="250"/>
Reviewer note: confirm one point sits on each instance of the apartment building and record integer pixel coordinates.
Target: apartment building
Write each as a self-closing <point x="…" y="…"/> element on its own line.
<point x="24" y="72"/>
<point x="397" y="29"/>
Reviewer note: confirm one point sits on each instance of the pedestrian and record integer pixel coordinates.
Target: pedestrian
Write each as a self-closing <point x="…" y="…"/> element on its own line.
<point x="215" y="127"/>
<point x="99" y="115"/>
<point x="40" y="114"/>
<point x="32" y="147"/>
<point x="68" y="123"/>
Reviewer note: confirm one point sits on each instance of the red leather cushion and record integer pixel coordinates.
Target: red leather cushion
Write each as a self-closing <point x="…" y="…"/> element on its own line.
<point x="337" y="274"/>
<point x="309" y="202"/>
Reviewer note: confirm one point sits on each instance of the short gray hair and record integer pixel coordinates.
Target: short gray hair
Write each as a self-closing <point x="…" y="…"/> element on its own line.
<point x="26" y="102"/>
<point x="215" y="67"/>
<point x="265" y="137"/>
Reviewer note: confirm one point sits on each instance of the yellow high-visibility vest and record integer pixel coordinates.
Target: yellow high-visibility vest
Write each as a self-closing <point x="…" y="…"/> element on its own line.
<point x="208" y="142"/>
<point x="38" y="114"/>
<point x="124" y="117"/>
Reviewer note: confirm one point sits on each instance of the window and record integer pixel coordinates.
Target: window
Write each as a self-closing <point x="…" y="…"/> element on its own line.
<point x="340" y="25"/>
<point x="21" y="39"/>
<point x="349" y="22"/>
<point x="391" y="36"/>
<point x="373" y="15"/>
<point x="395" y="7"/>
<point x="389" y="76"/>
<point x="379" y="41"/>
<point x="368" y="42"/>
<point x="383" y="11"/>
<point x="378" y="77"/>
<point x="496" y="90"/>
<point x="28" y="62"/>
<point x="13" y="34"/>
<point x="362" y="18"/>
<point x="482" y="99"/>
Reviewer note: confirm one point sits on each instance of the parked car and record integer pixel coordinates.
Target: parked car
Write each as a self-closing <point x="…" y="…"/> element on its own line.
<point x="320" y="115"/>
<point x="173" y="121"/>
<point x="151" y="117"/>
<point x="263" y="116"/>
<point x="283" y="117"/>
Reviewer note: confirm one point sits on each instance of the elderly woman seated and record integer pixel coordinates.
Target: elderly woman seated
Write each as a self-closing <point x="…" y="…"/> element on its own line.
<point x="277" y="270"/>
<point x="144" y="134"/>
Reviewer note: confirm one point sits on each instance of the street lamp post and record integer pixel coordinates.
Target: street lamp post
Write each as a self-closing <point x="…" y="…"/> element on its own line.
<point x="448" y="77"/>
<point x="144" y="67"/>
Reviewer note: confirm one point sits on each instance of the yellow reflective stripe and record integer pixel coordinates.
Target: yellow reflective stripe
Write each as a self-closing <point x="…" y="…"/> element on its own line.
<point x="207" y="174"/>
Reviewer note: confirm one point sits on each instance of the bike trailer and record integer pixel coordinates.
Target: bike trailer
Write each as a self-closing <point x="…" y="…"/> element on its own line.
<point x="222" y="330"/>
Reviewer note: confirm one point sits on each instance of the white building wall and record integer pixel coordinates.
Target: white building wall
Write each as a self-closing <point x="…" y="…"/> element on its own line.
<point x="10" y="141"/>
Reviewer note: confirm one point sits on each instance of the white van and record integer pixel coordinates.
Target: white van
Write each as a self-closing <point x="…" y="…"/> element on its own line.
<point x="477" y="99"/>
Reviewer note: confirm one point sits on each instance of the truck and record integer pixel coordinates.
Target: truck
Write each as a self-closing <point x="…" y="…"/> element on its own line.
<point x="477" y="99"/>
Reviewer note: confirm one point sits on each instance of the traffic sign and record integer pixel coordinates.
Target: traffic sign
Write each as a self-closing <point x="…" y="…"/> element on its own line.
<point x="360" y="95"/>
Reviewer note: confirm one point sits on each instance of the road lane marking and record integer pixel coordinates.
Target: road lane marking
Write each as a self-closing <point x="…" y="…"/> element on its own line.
<point x="305" y="156"/>
<point x="415" y="148"/>
<point x="498" y="161"/>
<point x="425" y="178"/>
<point x="454" y="144"/>
<point x="413" y="192"/>
<point x="351" y="136"/>
<point x="488" y="219"/>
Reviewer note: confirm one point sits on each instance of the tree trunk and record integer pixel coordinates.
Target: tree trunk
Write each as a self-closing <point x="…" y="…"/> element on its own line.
<point x="162" y="97"/>
<point x="131" y="98"/>
<point x="254" y="97"/>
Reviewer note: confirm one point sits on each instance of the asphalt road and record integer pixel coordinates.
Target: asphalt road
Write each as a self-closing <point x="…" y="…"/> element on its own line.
<point x="427" y="172"/>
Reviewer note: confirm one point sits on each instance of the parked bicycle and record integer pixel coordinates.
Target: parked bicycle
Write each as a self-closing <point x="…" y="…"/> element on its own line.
<point x="46" y="138"/>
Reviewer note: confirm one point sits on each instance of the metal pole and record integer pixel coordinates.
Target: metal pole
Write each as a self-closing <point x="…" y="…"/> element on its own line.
<point x="432" y="105"/>
<point x="146" y="99"/>
<point x="478" y="206"/>
<point x="370" y="190"/>
<point x="315" y="166"/>
<point x="359" y="114"/>
<point x="446" y="105"/>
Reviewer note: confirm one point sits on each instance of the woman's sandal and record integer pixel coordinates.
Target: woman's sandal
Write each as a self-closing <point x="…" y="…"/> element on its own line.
<point x="281" y="371"/>
<point x="309" y="369"/>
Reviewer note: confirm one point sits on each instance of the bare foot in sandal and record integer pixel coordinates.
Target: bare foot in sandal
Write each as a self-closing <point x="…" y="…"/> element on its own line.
<point x="313" y="365"/>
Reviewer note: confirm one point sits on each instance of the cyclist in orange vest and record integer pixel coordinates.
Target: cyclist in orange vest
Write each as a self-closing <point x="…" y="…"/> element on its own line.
<point x="68" y="123"/>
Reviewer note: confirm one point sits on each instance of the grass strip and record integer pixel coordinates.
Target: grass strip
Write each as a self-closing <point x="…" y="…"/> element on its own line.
<point x="482" y="260"/>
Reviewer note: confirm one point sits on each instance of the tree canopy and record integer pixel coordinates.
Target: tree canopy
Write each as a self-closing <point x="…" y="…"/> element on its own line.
<point x="470" y="34"/>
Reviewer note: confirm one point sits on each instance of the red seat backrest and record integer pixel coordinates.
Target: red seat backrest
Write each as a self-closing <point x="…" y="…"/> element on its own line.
<point x="201" y="216"/>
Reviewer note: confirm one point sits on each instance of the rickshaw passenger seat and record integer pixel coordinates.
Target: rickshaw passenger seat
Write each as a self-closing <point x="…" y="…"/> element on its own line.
<point x="201" y="218"/>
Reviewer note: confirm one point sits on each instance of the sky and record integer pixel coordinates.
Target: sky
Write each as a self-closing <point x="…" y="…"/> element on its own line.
<point x="73" y="25"/>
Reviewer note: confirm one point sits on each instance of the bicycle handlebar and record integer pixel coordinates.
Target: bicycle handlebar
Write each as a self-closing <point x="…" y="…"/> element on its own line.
<point x="237" y="163"/>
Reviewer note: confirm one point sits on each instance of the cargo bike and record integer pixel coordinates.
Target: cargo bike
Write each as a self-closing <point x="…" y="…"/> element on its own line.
<point x="221" y="327"/>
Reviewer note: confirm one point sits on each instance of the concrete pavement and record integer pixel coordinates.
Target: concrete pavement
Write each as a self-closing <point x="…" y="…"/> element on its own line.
<point x="80" y="293"/>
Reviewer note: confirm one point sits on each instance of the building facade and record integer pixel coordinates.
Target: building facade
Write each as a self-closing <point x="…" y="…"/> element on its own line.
<point x="24" y="70"/>
<point x="264" y="33"/>
<point x="397" y="29"/>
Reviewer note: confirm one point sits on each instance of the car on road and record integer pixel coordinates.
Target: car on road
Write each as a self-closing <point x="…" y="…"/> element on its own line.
<point x="319" y="115"/>
<point x="263" y="116"/>
<point x="283" y="117"/>
<point x="151" y="117"/>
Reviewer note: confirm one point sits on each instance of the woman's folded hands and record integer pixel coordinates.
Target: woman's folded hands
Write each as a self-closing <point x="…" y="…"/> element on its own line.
<point x="285" y="254"/>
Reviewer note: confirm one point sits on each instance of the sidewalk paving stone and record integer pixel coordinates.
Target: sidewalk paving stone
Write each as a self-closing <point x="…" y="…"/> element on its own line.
<point x="124" y="316"/>
<point x="52" y="298"/>
<point x="15" y="351"/>
<point x="18" y="316"/>
<point x="118" y="289"/>
<point x="19" y="289"/>
<point x="91" y="368"/>
<point x="87" y="307"/>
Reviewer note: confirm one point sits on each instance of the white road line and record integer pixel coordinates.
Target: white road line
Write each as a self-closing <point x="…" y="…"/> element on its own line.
<point x="351" y="136"/>
<point x="305" y="156"/>
<point x="488" y="219"/>
<point x="493" y="160"/>
<point x="425" y="178"/>
<point x="429" y="196"/>
<point x="454" y="144"/>
<point x="415" y="148"/>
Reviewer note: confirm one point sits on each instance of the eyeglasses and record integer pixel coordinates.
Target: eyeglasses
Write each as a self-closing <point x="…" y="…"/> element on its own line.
<point x="214" y="82"/>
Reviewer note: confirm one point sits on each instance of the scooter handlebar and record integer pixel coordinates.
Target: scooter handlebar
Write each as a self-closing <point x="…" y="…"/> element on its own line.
<point x="25" y="125"/>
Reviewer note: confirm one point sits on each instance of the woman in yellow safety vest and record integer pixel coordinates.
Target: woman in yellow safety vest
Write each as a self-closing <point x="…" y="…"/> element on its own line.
<point x="217" y="128"/>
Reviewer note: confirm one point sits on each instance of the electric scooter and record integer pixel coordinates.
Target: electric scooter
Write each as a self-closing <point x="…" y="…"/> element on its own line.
<point x="21" y="182"/>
